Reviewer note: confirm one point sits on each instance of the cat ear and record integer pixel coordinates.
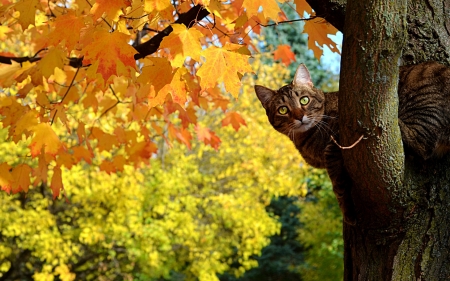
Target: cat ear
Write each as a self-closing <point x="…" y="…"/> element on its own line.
<point x="302" y="77"/>
<point x="264" y="94"/>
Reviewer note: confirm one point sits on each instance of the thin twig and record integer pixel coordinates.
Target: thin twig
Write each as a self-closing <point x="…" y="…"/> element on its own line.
<point x="287" y="21"/>
<point x="347" y="147"/>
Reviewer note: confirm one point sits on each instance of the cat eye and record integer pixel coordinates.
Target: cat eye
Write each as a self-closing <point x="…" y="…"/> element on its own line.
<point x="304" y="100"/>
<point x="283" y="110"/>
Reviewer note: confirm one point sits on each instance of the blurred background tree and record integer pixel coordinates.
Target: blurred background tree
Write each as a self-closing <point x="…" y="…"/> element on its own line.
<point x="250" y="211"/>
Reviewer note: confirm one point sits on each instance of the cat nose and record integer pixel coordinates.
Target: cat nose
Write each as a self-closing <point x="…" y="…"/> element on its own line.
<point x="297" y="113"/>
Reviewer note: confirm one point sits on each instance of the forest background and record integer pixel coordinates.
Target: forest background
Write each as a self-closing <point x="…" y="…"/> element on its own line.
<point x="245" y="207"/>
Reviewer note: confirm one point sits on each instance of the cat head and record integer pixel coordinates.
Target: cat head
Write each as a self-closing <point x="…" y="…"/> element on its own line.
<point x="294" y="108"/>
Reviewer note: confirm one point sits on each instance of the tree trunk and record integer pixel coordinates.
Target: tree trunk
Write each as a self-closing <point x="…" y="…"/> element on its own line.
<point x="402" y="202"/>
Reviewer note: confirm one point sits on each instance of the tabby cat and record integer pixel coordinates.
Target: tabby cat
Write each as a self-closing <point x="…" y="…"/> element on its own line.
<point x="309" y="118"/>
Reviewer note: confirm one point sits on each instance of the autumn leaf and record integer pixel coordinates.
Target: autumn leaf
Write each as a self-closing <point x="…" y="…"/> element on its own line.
<point x="156" y="72"/>
<point x="302" y="6"/>
<point x="225" y="63"/>
<point x="67" y="30"/>
<point x="27" y="9"/>
<point x="270" y="8"/>
<point x="160" y="8"/>
<point x="234" y="119"/>
<point x="54" y="58"/>
<point x="207" y="136"/>
<point x="182" y="43"/>
<point x="6" y="179"/>
<point x="56" y="183"/>
<point x="284" y="53"/>
<point x="44" y="138"/>
<point x="318" y="32"/>
<point x="112" y="8"/>
<point x="111" y="52"/>
<point x="21" y="175"/>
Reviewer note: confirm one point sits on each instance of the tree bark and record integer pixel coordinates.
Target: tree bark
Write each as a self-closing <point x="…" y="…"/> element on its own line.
<point x="402" y="202"/>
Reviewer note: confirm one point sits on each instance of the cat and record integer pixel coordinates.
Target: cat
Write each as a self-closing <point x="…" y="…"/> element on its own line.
<point x="309" y="117"/>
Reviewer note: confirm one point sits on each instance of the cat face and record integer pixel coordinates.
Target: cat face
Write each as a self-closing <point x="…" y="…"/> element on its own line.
<point x="295" y="108"/>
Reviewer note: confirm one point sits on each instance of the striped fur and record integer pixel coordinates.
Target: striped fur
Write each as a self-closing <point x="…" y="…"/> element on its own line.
<point x="424" y="119"/>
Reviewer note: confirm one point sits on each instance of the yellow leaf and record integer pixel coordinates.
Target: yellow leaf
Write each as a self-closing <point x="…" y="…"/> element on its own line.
<point x="3" y="31"/>
<point x="54" y="58"/>
<point x="112" y="8"/>
<point x="177" y="87"/>
<point x="182" y="43"/>
<point x="162" y="8"/>
<point x="223" y="65"/>
<point x="27" y="9"/>
<point x="270" y="8"/>
<point x="44" y="138"/>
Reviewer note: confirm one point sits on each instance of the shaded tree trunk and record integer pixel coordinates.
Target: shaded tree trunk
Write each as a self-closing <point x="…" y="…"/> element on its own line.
<point x="402" y="202"/>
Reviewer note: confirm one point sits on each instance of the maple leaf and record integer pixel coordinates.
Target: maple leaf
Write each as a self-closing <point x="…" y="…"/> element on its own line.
<point x="67" y="30"/>
<point x="111" y="52"/>
<point x="270" y="8"/>
<point x="80" y="152"/>
<point x="183" y="42"/>
<point x="284" y="53"/>
<point x="44" y="138"/>
<point x="302" y="6"/>
<point x="177" y="87"/>
<point x="54" y="58"/>
<point x="157" y="72"/>
<point x="3" y="31"/>
<point x="225" y="63"/>
<point x="318" y="32"/>
<point x="112" y="8"/>
<point x="41" y="171"/>
<point x="160" y="8"/>
<point x="56" y="183"/>
<point x="6" y="179"/>
<point x="234" y="119"/>
<point x="27" y="9"/>
<point x="21" y="176"/>
<point x="207" y="136"/>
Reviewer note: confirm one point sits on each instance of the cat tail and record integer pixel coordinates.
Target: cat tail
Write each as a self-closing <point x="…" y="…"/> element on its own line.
<point x="341" y="182"/>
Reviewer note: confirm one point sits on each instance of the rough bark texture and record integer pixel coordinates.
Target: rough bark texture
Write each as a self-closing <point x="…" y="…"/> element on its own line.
<point x="402" y="202"/>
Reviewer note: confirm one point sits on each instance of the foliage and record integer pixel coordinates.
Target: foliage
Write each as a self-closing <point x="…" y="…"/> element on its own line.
<point x="196" y="212"/>
<point x="81" y="78"/>
<point x="321" y="233"/>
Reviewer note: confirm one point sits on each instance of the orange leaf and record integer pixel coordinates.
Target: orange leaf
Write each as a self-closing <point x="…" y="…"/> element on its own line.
<point x="108" y="167"/>
<point x="302" y="6"/>
<point x="56" y="184"/>
<point x="41" y="171"/>
<point x="182" y="43"/>
<point x="111" y="52"/>
<point x="318" y="32"/>
<point x="21" y="175"/>
<point x="6" y="179"/>
<point x="158" y="73"/>
<point x="112" y="8"/>
<point x="67" y="30"/>
<point x="223" y="65"/>
<point x="207" y="136"/>
<point x="80" y="152"/>
<point x="44" y="137"/>
<point x="284" y="53"/>
<point x="234" y="119"/>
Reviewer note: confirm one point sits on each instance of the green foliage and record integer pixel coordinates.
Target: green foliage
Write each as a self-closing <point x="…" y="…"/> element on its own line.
<point x="321" y="233"/>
